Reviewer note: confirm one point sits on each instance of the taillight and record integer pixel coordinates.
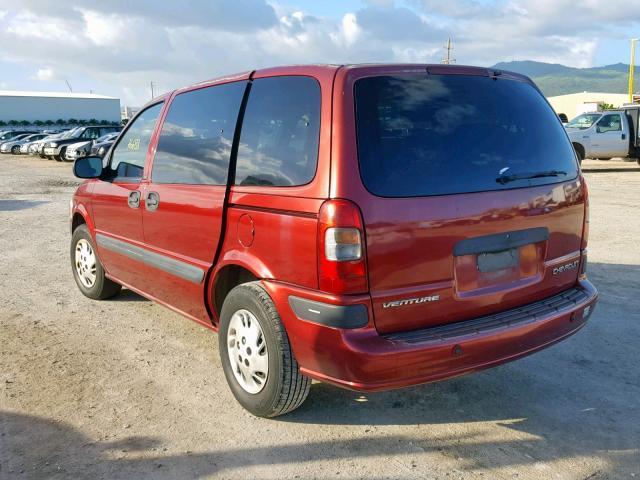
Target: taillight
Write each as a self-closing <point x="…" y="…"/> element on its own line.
<point x="342" y="265"/>
<point x="585" y="232"/>
<point x="585" y="225"/>
<point x="583" y="264"/>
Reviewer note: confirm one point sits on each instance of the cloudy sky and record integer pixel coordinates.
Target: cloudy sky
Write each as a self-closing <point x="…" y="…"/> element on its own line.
<point x="118" y="47"/>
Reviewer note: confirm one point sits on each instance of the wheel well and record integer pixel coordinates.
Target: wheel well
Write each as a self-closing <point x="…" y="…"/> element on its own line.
<point x="579" y="150"/>
<point x="227" y="278"/>
<point x="77" y="221"/>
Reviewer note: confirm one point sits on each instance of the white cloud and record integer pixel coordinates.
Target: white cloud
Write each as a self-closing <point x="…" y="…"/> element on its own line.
<point x="125" y="45"/>
<point x="350" y="29"/>
<point x="102" y="29"/>
<point x="45" y="74"/>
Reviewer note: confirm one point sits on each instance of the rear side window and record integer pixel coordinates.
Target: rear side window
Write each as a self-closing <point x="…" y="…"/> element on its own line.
<point x="195" y="142"/>
<point x="422" y="135"/>
<point x="280" y="132"/>
<point x="129" y="155"/>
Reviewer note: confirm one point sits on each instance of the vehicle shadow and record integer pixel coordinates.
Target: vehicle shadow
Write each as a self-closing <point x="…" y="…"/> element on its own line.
<point x="16" y="205"/>
<point x="64" y="452"/>
<point x="38" y="448"/>
<point x="127" y="295"/>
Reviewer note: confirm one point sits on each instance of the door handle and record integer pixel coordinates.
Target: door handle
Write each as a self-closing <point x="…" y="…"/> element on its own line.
<point x="623" y="136"/>
<point x="134" y="199"/>
<point x="152" y="201"/>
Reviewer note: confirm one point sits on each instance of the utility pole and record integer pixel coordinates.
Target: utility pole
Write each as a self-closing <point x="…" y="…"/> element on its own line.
<point x="632" y="68"/>
<point x="448" y="59"/>
<point x="151" y="84"/>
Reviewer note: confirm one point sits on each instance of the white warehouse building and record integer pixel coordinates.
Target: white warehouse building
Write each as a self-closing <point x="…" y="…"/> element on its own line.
<point x="43" y="106"/>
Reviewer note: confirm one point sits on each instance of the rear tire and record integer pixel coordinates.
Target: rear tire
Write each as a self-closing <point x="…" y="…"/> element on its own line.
<point x="87" y="269"/>
<point x="282" y="388"/>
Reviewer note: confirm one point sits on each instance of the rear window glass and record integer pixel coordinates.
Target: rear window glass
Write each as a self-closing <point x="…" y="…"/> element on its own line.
<point x="422" y="135"/>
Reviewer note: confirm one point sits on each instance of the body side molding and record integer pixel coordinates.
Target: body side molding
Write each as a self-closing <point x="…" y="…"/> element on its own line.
<point x="161" y="262"/>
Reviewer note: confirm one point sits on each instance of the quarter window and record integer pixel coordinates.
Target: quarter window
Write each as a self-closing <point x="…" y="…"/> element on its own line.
<point x="195" y="142"/>
<point x="280" y="132"/>
<point x="129" y="155"/>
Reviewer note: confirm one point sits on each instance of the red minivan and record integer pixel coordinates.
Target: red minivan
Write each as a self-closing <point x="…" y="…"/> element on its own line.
<point x="370" y="226"/>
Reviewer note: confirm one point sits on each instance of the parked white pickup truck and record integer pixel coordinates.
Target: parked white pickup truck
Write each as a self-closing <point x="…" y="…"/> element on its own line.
<point x="608" y="134"/>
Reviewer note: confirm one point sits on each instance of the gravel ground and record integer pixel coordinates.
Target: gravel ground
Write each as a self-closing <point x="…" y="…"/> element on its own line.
<point x="128" y="389"/>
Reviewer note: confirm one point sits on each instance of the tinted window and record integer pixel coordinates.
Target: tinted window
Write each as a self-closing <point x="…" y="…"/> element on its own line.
<point x="422" y="135"/>
<point x="610" y="123"/>
<point x="195" y="142"/>
<point x="128" y="157"/>
<point x="280" y="131"/>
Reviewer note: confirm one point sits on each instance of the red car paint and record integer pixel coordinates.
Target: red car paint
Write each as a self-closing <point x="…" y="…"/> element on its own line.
<point x="274" y="233"/>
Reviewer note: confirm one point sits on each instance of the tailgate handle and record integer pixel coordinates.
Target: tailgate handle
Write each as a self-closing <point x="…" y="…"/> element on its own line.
<point x="500" y="241"/>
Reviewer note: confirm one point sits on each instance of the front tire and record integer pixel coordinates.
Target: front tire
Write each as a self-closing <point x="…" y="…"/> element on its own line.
<point x="579" y="152"/>
<point x="87" y="270"/>
<point x="256" y="355"/>
<point x="15" y="150"/>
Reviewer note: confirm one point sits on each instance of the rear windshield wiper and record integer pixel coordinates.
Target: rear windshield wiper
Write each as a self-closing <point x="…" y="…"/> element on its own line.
<point x="504" y="179"/>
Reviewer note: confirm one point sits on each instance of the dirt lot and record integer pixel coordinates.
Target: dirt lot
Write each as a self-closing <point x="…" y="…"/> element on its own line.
<point x="128" y="389"/>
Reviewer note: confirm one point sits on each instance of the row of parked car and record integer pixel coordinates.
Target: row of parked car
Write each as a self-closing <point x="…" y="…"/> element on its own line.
<point x="63" y="145"/>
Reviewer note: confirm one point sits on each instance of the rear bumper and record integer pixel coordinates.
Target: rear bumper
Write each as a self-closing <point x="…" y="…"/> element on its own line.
<point x="362" y="359"/>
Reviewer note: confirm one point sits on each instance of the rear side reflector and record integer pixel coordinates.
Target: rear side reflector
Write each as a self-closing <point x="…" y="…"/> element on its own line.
<point x="341" y="252"/>
<point x="337" y="316"/>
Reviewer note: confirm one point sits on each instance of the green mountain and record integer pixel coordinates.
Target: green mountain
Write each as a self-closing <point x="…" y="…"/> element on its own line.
<point x="555" y="79"/>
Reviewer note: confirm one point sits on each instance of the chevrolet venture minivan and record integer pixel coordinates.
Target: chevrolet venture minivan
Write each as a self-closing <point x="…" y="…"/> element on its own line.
<point x="369" y="226"/>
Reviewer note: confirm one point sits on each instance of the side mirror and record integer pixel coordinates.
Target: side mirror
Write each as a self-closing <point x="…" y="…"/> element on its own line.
<point x="87" y="167"/>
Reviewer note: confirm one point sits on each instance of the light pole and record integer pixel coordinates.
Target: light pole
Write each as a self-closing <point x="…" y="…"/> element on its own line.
<point x="632" y="68"/>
